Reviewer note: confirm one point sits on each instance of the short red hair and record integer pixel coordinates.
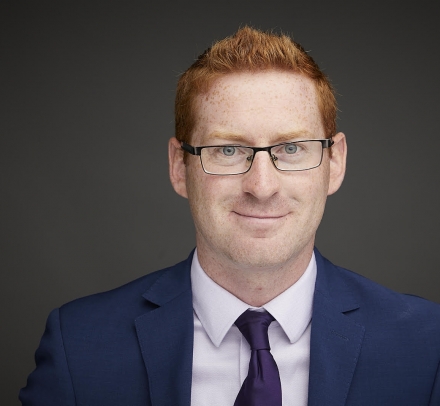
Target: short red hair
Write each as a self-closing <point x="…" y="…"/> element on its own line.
<point x="249" y="50"/>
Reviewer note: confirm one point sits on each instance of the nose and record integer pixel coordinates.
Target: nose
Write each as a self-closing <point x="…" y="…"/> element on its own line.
<point x="263" y="179"/>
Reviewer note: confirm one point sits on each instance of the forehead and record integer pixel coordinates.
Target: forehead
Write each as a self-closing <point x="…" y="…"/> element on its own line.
<point x="258" y="107"/>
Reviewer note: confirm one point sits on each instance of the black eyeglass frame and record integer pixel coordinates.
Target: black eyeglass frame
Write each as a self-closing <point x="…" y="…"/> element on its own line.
<point x="326" y="143"/>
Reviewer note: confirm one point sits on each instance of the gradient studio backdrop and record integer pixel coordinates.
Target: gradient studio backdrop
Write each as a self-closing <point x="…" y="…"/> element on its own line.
<point x="87" y="109"/>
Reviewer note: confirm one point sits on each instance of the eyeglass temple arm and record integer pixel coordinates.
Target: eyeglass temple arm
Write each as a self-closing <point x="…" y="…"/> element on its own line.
<point x="189" y="148"/>
<point x="327" y="143"/>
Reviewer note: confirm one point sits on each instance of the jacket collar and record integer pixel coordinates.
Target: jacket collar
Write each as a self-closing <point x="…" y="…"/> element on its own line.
<point x="336" y="339"/>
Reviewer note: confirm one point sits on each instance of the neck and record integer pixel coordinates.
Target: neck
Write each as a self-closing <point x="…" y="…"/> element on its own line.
<point x="255" y="285"/>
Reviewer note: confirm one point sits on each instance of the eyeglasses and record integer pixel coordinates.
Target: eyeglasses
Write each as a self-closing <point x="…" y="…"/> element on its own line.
<point x="237" y="159"/>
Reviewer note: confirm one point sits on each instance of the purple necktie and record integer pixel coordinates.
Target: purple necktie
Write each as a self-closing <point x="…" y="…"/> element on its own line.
<point x="262" y="386"/>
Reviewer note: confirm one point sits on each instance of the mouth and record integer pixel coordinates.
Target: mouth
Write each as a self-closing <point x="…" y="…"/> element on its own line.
<point x="257" y="217"/>
<point x="259" y="225"/>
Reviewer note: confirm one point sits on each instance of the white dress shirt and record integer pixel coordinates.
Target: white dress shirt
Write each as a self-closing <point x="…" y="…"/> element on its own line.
<point x="221" y="353"/>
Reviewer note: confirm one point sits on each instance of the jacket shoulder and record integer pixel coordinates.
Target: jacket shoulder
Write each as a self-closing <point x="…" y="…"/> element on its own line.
<point x="129" y="299"/>
<point x="377" y="306"/>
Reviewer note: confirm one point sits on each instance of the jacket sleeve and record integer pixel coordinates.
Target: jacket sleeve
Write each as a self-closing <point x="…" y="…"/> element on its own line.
<point x="50" y="383"/>
<point x="435" y="394"/>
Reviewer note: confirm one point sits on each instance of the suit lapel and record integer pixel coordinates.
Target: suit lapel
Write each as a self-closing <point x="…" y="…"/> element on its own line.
<point x="336" y="340"/>
<point x="166" y="337"/>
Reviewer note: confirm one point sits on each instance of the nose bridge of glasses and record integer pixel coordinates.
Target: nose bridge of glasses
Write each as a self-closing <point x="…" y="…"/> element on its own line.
<point x="272" y="157"/>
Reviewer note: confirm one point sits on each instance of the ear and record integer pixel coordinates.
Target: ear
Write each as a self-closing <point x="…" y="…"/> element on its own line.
<point x="338" y="160"/>
<point x="177" y="167"/>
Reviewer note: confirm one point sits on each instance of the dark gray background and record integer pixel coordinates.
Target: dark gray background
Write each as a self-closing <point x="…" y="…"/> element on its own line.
<point x="87" y="109"/>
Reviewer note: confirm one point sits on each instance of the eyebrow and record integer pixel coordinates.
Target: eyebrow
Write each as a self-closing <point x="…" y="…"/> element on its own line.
<point x="241" y="139"/>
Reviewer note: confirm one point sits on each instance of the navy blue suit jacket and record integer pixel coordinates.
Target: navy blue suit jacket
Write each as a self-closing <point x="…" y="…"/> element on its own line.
<point x="132" y="346"/>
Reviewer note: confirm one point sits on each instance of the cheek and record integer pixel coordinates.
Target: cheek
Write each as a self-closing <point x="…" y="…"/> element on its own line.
<point x="310" y="195"/>
<point x="320" y="179"/>
<point x="309" y="185"/>
<point x="205" y="193"/>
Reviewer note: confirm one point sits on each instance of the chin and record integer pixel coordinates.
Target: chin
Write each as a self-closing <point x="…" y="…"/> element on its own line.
<point x="261" y="256"/>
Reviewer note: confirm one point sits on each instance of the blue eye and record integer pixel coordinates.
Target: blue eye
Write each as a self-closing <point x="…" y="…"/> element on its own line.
<point x="290" y="148"/>
<point x="228" y="151"/>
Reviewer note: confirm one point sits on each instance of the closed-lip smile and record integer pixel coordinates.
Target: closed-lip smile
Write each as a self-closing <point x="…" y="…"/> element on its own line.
<point x="260" y="216"/>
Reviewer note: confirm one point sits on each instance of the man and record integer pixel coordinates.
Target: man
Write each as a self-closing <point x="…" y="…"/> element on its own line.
<point x="255" y="316"/>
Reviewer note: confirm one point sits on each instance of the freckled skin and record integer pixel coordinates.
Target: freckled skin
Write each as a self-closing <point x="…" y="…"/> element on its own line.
<point x="255" y="232"/>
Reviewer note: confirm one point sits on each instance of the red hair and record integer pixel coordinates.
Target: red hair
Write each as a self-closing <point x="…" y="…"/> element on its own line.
<point x="249" y="50"/>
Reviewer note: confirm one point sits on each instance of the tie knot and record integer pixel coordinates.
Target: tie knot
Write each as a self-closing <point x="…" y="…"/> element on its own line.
<point x="254" y="325"/>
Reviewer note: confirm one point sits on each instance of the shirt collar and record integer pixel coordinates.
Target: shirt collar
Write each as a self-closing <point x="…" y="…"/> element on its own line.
<point x="217" y="309"/>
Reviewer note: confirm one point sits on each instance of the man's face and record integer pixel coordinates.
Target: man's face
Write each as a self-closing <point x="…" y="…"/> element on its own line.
<point x="265" y="217"/>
